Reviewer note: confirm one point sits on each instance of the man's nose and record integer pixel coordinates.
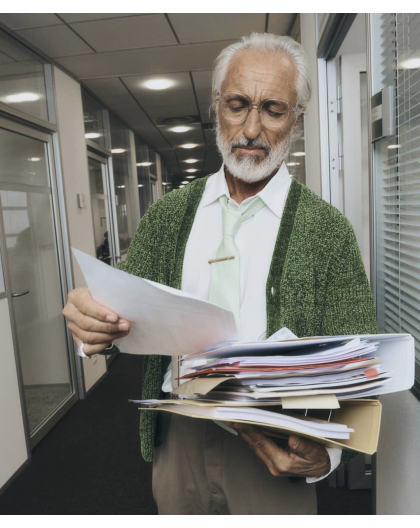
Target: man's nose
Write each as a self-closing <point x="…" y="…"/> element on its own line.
<point x="252" y="124"/>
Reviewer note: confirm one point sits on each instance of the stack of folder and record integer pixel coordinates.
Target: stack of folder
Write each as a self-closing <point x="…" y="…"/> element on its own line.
<point x="303" y="386"/>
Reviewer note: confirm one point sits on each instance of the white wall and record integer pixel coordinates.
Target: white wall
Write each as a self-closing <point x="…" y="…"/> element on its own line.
<point x="13" y="452"/>
<point x="398" y="458"/>
<point x="311" y="118"/>
<point x="76" y="180"/>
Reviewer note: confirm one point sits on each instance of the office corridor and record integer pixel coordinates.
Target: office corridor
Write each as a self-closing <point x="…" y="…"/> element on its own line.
<point x="90" y="462"/>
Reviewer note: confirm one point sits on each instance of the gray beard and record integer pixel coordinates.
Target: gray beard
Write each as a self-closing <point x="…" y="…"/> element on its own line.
<point x="249" y="168"/>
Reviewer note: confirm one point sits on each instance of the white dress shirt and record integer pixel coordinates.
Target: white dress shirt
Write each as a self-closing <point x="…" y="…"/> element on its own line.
<point x="255" y="240"/>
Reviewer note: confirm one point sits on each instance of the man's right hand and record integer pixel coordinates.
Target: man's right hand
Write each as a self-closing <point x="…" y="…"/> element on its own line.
<point x="92" y="323"/>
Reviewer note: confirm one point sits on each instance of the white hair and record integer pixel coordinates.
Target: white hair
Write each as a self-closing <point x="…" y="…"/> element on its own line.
<point x="266" y="42"/>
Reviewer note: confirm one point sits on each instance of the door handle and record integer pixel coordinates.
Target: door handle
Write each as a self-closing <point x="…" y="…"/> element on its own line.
<point x="20" y="294"/>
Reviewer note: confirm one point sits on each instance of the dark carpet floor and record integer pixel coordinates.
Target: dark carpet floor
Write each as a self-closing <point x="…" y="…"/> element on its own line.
<point x="90" y="461"/>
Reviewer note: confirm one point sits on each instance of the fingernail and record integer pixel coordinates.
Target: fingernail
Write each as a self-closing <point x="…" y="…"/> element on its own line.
<point x="123" y="326"/>
<point x="111" y="318"/>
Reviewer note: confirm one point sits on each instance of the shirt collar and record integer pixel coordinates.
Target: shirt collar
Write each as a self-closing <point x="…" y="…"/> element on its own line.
<point x="273" y="194"/>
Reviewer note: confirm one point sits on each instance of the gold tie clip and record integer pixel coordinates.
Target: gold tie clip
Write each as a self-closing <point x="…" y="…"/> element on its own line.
<point x="213" y="261"/>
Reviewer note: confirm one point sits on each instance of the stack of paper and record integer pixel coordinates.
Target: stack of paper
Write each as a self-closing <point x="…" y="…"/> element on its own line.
<point x="347" y="368"/>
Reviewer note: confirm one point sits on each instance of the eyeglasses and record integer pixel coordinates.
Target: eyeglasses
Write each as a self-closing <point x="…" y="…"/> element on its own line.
<point x="274" y="113"/>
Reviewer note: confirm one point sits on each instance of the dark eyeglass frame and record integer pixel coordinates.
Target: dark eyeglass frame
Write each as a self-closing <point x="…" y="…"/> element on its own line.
<point x="297" y="110"/>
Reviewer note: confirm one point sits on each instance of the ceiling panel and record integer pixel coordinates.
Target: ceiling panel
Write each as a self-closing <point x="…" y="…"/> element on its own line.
<point x="29" y="20"/>
<point x="56" y="41"/>
<point x="278" y="23"/>
<point x="205" y="27"/>
<point x="178" y="58"/>
<point x="177" y="100"/>
<point x="126" y="33"/>
<point x="84" y="17"/>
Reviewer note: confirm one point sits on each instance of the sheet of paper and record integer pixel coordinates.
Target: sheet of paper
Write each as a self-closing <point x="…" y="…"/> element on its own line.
<point x="321" y="401"/>
<point x="164" y="320"/>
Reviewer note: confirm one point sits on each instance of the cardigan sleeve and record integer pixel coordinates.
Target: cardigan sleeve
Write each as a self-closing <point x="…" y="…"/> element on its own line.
<point x="349" y="307"/>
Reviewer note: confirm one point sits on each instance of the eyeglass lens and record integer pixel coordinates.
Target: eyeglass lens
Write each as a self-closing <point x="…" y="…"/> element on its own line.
<point x="274" y="113"/>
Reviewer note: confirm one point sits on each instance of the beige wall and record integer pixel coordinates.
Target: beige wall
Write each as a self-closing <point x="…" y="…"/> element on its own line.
<point x="311" y="118"/>
<point x="13" y="451"/>
<point x="76" y="180"/>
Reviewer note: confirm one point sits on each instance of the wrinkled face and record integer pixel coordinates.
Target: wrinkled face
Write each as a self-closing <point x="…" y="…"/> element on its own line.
<point x="250" y="150"/>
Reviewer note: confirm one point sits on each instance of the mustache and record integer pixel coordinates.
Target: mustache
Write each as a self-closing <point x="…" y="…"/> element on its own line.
<point x="256" y="143"/>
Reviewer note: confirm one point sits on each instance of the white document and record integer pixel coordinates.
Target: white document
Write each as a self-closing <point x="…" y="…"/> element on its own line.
<point x="164" y="320"/>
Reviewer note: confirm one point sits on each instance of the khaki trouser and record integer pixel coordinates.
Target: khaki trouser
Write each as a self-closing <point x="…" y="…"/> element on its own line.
<point x="201" y="469"/>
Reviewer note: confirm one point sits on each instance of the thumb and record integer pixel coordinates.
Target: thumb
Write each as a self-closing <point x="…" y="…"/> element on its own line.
<point x="297" y="444"/>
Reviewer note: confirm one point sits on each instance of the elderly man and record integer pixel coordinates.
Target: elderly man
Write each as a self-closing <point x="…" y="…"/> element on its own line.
<point x="293" y="261"/>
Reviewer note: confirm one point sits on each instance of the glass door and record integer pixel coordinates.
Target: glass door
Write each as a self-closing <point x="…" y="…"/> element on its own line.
<point x="101" y="209"/>
<point x="32" y="255"/>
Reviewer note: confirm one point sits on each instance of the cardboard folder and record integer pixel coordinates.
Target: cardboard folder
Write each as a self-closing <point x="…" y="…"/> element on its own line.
<point x="362" y="415"/>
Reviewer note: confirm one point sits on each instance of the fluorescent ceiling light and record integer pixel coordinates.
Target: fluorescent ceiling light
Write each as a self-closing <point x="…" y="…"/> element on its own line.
<point x="188" y="146"/>
<point x="140" y="185"/>
<point x="92" y="135"/>
<point x="21" y="98"/>
<point x="298" y="154"/>
<point x="394" y="146"/>
<point x="191" y="160"/>
<point x="158" y="84"/>
<point x="190" y="177"/>
<point x="144" y="164"/>
<point x="292" y="164"/>
<point x="34" y="159"/>
<point x="180" y="129"/>
<point x="411" y="64"/>
<point x="117" y="151"/>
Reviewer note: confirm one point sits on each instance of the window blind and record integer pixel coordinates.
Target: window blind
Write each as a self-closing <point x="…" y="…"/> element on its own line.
<point x="397" y="176"/>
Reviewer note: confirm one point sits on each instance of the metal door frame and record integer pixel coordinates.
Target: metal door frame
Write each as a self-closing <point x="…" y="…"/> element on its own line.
<point x="63" y="256"/>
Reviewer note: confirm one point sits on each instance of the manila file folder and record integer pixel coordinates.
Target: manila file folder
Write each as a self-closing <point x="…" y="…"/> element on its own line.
<point x="362" y="415"/>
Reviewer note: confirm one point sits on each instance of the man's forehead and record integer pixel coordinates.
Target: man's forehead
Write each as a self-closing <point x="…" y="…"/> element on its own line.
<point x="260" y="73"/>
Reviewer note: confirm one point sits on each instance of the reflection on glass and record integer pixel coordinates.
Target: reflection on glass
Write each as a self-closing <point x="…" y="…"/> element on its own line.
<point x="22" y="79"/>
<point x="93" y="114"/>
<point x="31" y="254"/>
<point x="120" y="157"/>
<point x="321" y="23"/>
<point x="2" y="285"/>
<point x="143" y="178"/>
<point x="99" y="199"/>
<point x="295" y="160"/>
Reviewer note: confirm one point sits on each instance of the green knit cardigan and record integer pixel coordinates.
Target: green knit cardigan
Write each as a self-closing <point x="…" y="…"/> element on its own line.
<point x="316" y="285"/>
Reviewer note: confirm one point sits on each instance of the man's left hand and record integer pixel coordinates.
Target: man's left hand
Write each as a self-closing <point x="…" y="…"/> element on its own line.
<point x="302" y="457"/>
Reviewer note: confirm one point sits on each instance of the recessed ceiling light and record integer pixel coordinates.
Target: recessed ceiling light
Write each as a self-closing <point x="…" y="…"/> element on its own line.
<point x="180" y="129"/>
<point x="140" y="185"/>
<point x="411" y="64"/>
<point x="117" y="151"/>
<point x="191" y="170"/>
<point x="34" y="159"/>
<point x="185" y="182"/>
<point x="166" y="183"/>
<point x="298" y="154"/>
<point x="158" y="84"/>
<point x="394" y="146"/>
<point x="144" y="164"/>
<point x="191" y="160"/>
<point x="92" y="135"/>
<point x="181" y="186"/>
<point x="20" y="98"/>
<point x="190" y="177"/>
<point x="188" y="146"/>
<point x="120" y="186"/>
<point x="292" y="164"/>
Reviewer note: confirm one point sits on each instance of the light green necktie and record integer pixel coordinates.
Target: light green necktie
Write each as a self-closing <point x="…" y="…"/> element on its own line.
<point x="225" y="285"/>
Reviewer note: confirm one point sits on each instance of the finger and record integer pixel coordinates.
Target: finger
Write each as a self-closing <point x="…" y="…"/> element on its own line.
<point x="91" y="350"/>
<point x="83" y="301"/>
<point x="90" y="324"/>
<point x="303" y="447"/>
<point x="265" y="448"/>
<point x="94" y="338"/>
